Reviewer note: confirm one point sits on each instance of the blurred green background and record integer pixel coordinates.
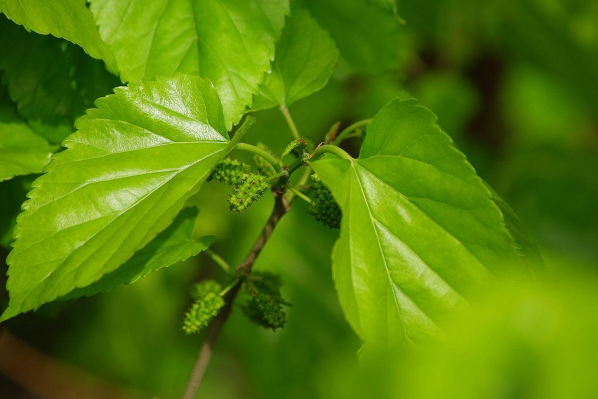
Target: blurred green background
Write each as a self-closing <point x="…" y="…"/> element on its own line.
<point x="515" y="84"/>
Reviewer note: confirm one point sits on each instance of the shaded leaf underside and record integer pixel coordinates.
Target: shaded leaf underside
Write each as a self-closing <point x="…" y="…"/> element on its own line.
<point x="175" y="244"/>
<point x="68" y="19"/>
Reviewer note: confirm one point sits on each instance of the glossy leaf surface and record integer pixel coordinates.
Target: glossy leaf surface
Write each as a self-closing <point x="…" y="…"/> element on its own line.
<point x="231" y="42"/>
<point x="123" y="178"/>
<point x="304" y="60"/>
<point x="420" y="233"/>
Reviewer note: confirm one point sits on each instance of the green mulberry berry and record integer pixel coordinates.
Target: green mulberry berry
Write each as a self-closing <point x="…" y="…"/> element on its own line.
<point x="229" y="171"/>
<point x="266" y="310"/>
<point x="323" y="207"/>
<point x="202" y="312"/>
<point x="250" y="188"/>
<point x="205" y="287"/>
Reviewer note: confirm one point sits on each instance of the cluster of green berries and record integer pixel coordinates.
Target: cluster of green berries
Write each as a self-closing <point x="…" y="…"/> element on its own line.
<point x="266" y="310"/>
<point x="204" y="288"/>
<point x="266" y="306"/>
<point x="250" y="188"/>
<point x="208" y="303"/>
<point x="323" y="207"/>
<point x="229" y="171"/>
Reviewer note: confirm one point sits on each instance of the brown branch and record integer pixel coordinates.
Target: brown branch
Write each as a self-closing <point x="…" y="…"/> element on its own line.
<point x="48" y="378"/>
<point x="281" y="207"/>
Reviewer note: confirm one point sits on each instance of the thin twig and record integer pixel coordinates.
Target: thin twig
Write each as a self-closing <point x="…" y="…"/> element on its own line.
<point x="300" y="195"/>
<point x="345" y="133"/>
<point x="281" y="207"/>
<point x="46" y="377"/>
<point x="218" y="260"/>
<point x="290" y="122"/>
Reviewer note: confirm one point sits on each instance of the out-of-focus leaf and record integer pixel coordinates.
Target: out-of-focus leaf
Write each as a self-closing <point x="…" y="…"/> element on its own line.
<point x="530" y="254"/>
<point x="52" y="81"/>
<point x="532" y="32"/>
<point x="304" y="60"/>
<point x="22" y="152"/>
<point x="556" y="194"/>
<point x="522" y="340"/>
<point x="12" y="195"/>
<point x="453" y="99"/>
<point x="541" y="111"/>
<point x="68" y="19"/>
<point x="420" y="233"/>
<point x="123" y="178"/>
<point x="386" y="5"/>
<point x="230" y="42"/>
<point x="368" y="38"/>
<point x="175" y="244"/>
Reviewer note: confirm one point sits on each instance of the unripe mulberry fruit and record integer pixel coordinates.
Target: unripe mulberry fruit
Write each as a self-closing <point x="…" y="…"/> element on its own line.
<point x="323" y="207"/>
<point x="202" y="312"/>
<point x="266" y="310"/>
<point x="250" y="188"/>
<point x="229" y="171"/>
<point x="204" y="288"/>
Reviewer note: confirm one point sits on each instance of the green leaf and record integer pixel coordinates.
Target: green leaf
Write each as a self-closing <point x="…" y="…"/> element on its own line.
<point x="386" y="5"/>
<point x="123" y="178"/>
<point x="68" y="19"/>
<point x="51" y="80"/>
<point x="420" y="233"/>
<point x="528" y="250"/>
<point x="230" y="42"/>
<point x="175" y="244"/>
<point x="22" y="152"/>
<point x="12" y="195"/>
<point x="368" y="38"/>
<point x="304" y="60"/>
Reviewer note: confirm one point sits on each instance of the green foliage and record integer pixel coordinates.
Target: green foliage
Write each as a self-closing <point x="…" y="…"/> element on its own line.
<point x="68" y="19"/>
<point x="422" y="238"/>
<point x="250" y="188"/>
<point x="12" y="195"/>
<point x="305" y="57"/>
<point x="202" y="312"/>
<point x="99" y="203"/>
<point x="22" y="152"/>
<point x="175" y="244"/>
<point x="228" y="41"/>
<point x="386" y="5"/>
<point x="323" y="207"/>
<point x="49" y="79"/>
<point x="368" y="38"/>
<point x="430" y="234"/>
<point x="229" y="171"/>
